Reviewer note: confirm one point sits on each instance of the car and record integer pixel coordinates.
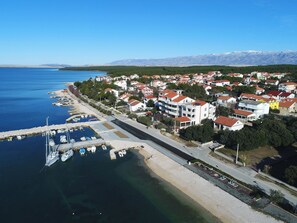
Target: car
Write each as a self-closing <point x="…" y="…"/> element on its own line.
<point x="222" y="178"/>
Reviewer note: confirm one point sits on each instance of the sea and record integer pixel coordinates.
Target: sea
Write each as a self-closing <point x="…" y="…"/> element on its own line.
<point x="85" y="189"/>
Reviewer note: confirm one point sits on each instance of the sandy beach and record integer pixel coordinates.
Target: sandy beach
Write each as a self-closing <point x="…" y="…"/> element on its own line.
<point x="218" y="202"/>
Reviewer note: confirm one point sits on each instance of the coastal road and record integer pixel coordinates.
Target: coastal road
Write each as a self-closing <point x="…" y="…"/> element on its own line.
<point x="243" y="174"/>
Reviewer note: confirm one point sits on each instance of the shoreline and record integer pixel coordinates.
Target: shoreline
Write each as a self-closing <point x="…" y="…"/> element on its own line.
<point x="217" y="202"/>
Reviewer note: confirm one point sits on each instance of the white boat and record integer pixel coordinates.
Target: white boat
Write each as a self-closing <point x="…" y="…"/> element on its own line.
<point x="67" y="155"/>
<point x="83" y="138"/>
<point x="20" y="137"/>
<point x="63" y="139"/>
<point x="51" y="142"/>
<point x="104" y="147"/>
<point x="93" y="149"/>
<point x="51" y="152"/>
<point x="124" y="152"/>
<point x="93" y="138"/>
<point x="120" y="154"/>
<point x="89" y="149"/>
<point x="72" y="140"/>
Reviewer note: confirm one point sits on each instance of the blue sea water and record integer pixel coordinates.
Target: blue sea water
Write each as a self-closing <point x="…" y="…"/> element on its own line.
<point x="89" y="188"/>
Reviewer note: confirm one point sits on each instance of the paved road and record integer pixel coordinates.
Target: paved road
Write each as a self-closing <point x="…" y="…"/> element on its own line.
<point x="243" y="174"/>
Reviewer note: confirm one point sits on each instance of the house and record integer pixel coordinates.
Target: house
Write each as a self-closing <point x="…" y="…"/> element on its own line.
<point x="182" y="123"/>
<point x="122" y="84"/>
<point x="125" y="97"/>
<point x="150" y="97"/>
<point x="257" y="107"/>
<point x="112" y="91"/>
<point x="272" y="82"/>
<point x="287" y="106"/>
<point x="242" y="115"/>
<point x="146" y="91"/>
<point x="287" y="86"/>
<point x="135" y="105"/>
<point x="197" y="111"/>
<point x="273" y="103"/>
<point x="259" y="90"/>
<point x="253" y="97"/>
<point x="280" y="94"/>
<point x="220" y="83"/>
<point x="225" y="123"/>
<point x="226" y="101"/>
<point x="134" y="76"/>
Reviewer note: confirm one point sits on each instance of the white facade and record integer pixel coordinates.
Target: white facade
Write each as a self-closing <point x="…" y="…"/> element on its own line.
<point x="287" y="86"/>
<point x="258" y="108"/>
<point x="122" y="84"/>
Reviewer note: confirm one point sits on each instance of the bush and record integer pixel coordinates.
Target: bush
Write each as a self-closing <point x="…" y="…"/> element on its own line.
<point x="145" y="120"/>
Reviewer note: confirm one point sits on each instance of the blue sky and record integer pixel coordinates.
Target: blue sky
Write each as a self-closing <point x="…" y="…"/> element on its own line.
<point x="82" y="32"/>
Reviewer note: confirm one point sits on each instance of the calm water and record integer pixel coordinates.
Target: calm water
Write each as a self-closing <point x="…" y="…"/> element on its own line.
<point x="91" y="188"/>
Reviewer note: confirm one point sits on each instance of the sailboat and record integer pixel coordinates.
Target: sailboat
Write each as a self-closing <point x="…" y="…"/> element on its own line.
<point x="51" y="153"/>
<point x="69" y="153"/>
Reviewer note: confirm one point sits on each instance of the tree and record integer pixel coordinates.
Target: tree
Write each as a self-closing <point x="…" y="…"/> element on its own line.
<point x="150" y="103"/>
<point x="220" y="110"/>
<point x="276" y="196"/>
<point x="291" y="174"/>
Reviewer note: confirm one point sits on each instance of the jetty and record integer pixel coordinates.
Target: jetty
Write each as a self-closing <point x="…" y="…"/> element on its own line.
<point x="41" y="129"/>
<point x="80" y="144"/>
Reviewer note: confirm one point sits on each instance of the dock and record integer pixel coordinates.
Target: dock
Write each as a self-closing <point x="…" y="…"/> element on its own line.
<point x="81" y="144"/>
<point x="41" y="129"/>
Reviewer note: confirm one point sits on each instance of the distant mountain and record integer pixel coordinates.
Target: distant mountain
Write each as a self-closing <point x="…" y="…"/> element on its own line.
<point x="233" y="58"/>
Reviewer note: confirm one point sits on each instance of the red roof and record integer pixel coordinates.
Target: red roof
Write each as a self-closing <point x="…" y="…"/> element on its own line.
<point x="183" y="119"/>
<point x="199" y="102"/>
<point x="171" y="95"/>
<point x="289" y="83"/>
<point x="251" y="96"/>
<point x="241" y="112"/>
<point x="222" y="120"/>
<point x="224" y="97"/>
<point x="274" y="93"/>
<point x="150" y="96"/>
<point x="286" y="104"/>
<point x="179" y="98"/>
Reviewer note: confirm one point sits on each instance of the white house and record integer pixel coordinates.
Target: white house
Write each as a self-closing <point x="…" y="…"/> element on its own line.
<point x="287" y="86"/>
<point x="134" y="76"/>
<point x="113" y="91"/>
<point x="122" y="84"/>
<point x="258" y="108"/>
<point x="225" y="123"/>
<point x="220" y="83"/>
<point x="135" y="105"/>
<point x="226" y="101"/>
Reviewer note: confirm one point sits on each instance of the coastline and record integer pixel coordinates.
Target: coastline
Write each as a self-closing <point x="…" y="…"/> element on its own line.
<point x="204" y="194"/>
<point x="216" y="201"/>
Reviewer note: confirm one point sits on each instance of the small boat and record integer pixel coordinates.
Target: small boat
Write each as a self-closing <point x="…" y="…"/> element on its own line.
<point x="67" y="155"/>
<point x="83" y="138"/>
<point x="51" y="152"/>
<point x="104" y="147"/>
<point x="10" y="139"/>
<point x="63" y="139"/>
<point x="93" y="149"/>
<point x="120" y="154"/>
<point x="20" y="137"/>
<point x="88" y="138"/>
<point x="93" y="138"/>
<point x="72" y="140"/>
<point x="89" y="149"/>
<point x="124" y="152"/>
<point x="82" y="151"/>
<point x="51" y="142"/>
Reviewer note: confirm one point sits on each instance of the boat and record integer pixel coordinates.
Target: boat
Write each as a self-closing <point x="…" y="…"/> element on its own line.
<point x="82" y="151"/>
<point x="93" y="149"/>
<point x="83" y="138"/>
<point x="104" y="147"/>
<point x="67" y="155"/>
<point x="89" y="149"/>
<point x="51" y="152"/>
<point x="93" y="138"/>
<point x="72" y="140"/>
<point x="63" y="139"/>
<point x="51" y="142"/>
<point x="20" y="137"/>
<point x="10" y="138"/>
<point x="88" y="138"/>
<point x="120" y="154"/>
<point x="124" y="152"/>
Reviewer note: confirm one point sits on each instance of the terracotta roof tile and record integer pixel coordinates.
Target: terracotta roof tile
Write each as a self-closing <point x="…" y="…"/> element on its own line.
<point x="222" y="120"/>
<point x="183" y="119"/>
<point x="241" y="112"/>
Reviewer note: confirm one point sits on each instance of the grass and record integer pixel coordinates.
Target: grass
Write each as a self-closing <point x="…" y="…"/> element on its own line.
<point x="252" y="156"/>
<point x="120" y="134"/>
<point x="108" y="126"/>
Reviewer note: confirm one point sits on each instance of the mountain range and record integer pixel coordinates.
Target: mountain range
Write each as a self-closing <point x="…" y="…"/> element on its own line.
<point x="243" y="58"/>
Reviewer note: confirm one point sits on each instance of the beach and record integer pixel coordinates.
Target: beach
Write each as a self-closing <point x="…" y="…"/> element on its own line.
<point x="218" y="202"/>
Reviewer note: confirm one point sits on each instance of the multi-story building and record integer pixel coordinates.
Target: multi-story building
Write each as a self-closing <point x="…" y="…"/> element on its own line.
<point x="122" y="84"/>
<point x="287" y="86"/>
<point x="257" y="107"/>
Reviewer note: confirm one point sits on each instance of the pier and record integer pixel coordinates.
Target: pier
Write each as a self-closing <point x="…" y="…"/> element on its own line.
<point x="81" y="144"/>
<point x="41" y="129"/>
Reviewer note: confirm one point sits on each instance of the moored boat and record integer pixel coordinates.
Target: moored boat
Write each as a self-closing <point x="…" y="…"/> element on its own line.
<point x="82" y="151"/>
<point x="104" y="147"/>
<point x="67" y="155"/>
